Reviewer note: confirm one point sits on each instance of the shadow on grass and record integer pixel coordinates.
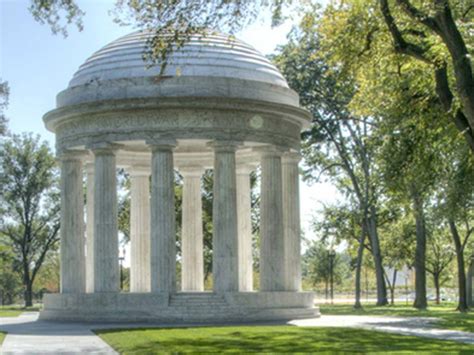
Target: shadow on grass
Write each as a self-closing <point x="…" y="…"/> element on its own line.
<point x="270" y="339"/>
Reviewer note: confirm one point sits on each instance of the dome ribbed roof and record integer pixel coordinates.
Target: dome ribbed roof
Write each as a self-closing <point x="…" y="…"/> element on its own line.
<point x="213" y="55"/>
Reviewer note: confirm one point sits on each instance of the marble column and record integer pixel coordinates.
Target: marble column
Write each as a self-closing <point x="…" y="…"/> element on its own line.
<point x="224" y="215"/>
<point x="192" y="267"/>
<point x="163" y="229"/>
<point x="291" y="220"/>
<point x="106" y="266"/>
<point x="272" y="255"/>
<point x="140" y="229"/>
<point x="90" y="228"/>
<point x="244" y="219"/>
<point x="72" y="225"/>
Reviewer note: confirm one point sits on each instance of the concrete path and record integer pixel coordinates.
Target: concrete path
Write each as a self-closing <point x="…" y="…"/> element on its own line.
<point x="417" y="326"/>
<point x="28" y="335"/>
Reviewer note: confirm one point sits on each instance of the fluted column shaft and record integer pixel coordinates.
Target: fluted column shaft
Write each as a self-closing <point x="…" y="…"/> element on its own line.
<point x="224" y="216"/>
<point x="72" y="226"/>
<point x="272" y="265"/>
<point x="140" y="229"/>
<point x="163" y="229"/>
<point x="192" y="268"/>
<point x="90" y="229"/>
<point x="244" y="218"/>
<point x="106" y="267"/>
<point x="291" y="221"/>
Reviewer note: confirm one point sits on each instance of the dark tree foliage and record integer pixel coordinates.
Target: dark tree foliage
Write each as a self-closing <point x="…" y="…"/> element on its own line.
<point x="4" y="94"/>
<point x="57" y="14"/>
<point x="443" y="20"/>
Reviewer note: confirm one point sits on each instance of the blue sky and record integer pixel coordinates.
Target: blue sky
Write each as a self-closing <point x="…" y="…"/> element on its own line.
<point x="38" y="65"/>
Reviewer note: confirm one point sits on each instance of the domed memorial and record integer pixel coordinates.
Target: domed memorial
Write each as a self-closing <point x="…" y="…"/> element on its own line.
<point x="218" y="104"/>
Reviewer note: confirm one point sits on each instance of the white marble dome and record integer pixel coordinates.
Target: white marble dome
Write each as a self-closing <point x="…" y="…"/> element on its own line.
<point x="213" y="55"/>
<point x="213" y="87"/>
<point x="214" y="65"/>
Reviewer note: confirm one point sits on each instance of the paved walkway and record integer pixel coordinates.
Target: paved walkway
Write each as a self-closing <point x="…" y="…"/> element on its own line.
<point x="418" y="326"/>
<point x="28" y="335"/>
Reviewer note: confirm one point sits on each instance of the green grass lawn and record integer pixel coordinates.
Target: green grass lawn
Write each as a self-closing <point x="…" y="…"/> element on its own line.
<point x="15" y="311"/>
<point x="2" y="336"/>
<point x="272" y="339"/>
<point x="449" y="318"/>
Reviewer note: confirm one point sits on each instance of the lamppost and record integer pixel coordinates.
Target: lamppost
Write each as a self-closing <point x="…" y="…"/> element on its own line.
<point x="332" y="256"/>
<point x="121" y="259"/>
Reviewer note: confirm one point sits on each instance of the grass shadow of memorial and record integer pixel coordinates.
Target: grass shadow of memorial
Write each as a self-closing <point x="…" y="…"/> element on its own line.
<point x="270" y="339"/>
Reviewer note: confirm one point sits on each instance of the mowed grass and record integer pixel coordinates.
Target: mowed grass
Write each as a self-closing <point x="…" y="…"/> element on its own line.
<point x="448" y="317"/>
<point x="271" y="339"/>
<point x="2" y="336"/>
<point x="15" y="311"/>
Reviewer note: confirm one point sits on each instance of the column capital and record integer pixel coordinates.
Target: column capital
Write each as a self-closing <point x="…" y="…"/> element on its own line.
<point x="139" y="170"/>
<point x="224" y="145"/>
<point x="270" y="151"/>
<point x="191" y="170"/>
<point x="71" y="155"/>
<point x="161" y="144"/>
<point x="103" y="148"/>
<point x="291" y="157"/>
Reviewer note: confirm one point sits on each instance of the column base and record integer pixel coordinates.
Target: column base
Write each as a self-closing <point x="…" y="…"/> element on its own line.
<point x="183" y="307"/>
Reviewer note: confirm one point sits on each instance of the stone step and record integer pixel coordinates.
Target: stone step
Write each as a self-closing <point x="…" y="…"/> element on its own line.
<point x="197" y="300"/>
<point x="197" y="305"/>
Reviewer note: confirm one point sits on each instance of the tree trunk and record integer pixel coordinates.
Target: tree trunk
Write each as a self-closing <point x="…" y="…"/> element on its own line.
<point x="436" y="285"/>
<point x="462" y="300"/>
<point x="28" y="284"/>
<point x="379" y="271"/>
<point x="392" y="288"/>
<point x="420" y="253"/>
<point x="470" y="284"/>
<point x="360" y="255"/>
<point x="28" y="294"/>
<point x="326" y="281"/>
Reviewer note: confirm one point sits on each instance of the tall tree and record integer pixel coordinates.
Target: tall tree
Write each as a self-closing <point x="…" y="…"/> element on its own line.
<point x="397" y="239"/>
<point x="409" y="163"/>
<point x="456" y="205"/>
<point x="439" y="255"/>
<point x="345" y="225"/>
<point x="30" y="201"/>
<point x="338" y="145"/>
